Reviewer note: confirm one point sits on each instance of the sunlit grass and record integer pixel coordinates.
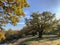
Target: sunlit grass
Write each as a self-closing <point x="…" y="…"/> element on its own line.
<point x="49" y="40"/>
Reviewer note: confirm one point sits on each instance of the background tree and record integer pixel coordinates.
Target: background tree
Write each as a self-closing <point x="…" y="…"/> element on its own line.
<point x="58" y="29"/>
<point x="2" y="36"/>
<point x="29" y="27"/>
<point x="11" y="10"/>
<point x="41" y="22"/>
<point x="9" y="33"/>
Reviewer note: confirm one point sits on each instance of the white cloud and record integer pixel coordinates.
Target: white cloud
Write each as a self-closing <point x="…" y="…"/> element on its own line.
<point x="21" y="23"/>
<point x="58" y="15"/>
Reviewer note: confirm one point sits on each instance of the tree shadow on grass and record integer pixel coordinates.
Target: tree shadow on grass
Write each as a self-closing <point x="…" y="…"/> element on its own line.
<point x="51" y="38"/>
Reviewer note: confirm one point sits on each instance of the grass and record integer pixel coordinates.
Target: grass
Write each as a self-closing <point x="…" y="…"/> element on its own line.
<point x="42" y="40"/>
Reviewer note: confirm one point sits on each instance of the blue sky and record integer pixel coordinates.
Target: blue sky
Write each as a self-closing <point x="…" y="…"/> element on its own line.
<point x="37" y="5"/>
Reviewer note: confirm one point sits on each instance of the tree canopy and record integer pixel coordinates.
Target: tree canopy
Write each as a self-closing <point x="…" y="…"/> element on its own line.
<point x="11" y="10"/>
<point x="42" y="21"/>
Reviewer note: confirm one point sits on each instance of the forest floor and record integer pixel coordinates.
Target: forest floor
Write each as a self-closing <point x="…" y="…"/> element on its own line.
<point x="46" y="40"/>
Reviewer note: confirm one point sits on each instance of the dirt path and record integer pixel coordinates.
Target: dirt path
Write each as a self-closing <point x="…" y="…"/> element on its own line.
<point x="34" y="42"/>
<point x="44" y="43"/>
<point x="19" y="41"/>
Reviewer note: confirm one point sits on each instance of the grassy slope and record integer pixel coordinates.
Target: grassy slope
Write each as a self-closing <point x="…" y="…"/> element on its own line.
<point x="48" y="40"/>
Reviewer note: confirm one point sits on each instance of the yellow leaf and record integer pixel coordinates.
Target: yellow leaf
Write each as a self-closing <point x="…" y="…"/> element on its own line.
<point x="14" y="24"/>
<point x="26" y="4"/>
<point x="2" y="0"/>
<point x="19" y="12"/>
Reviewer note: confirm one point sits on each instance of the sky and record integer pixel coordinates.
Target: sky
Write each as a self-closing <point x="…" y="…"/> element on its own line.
<point x="37" y="6"/>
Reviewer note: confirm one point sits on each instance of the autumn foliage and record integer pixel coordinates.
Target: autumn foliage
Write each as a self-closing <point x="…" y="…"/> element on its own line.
<point x="12" y="9"/>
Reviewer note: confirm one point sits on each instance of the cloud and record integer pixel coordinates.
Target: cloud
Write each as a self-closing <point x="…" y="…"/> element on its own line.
<point x="26" y="12"/>
<point x="22" y="23"/>
<point x="57" y="15"/>
<point x="27" y="16"/>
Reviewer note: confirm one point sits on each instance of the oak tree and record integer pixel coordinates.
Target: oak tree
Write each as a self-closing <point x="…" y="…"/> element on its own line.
<point x="41" y="22"/>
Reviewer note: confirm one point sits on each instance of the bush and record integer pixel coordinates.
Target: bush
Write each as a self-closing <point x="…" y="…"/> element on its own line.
<point x="2" y="36"/>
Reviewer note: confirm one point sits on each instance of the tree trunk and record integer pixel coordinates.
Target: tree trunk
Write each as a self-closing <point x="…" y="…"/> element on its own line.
<point x="40" y="33"/>
<point x="33" y="33"/>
